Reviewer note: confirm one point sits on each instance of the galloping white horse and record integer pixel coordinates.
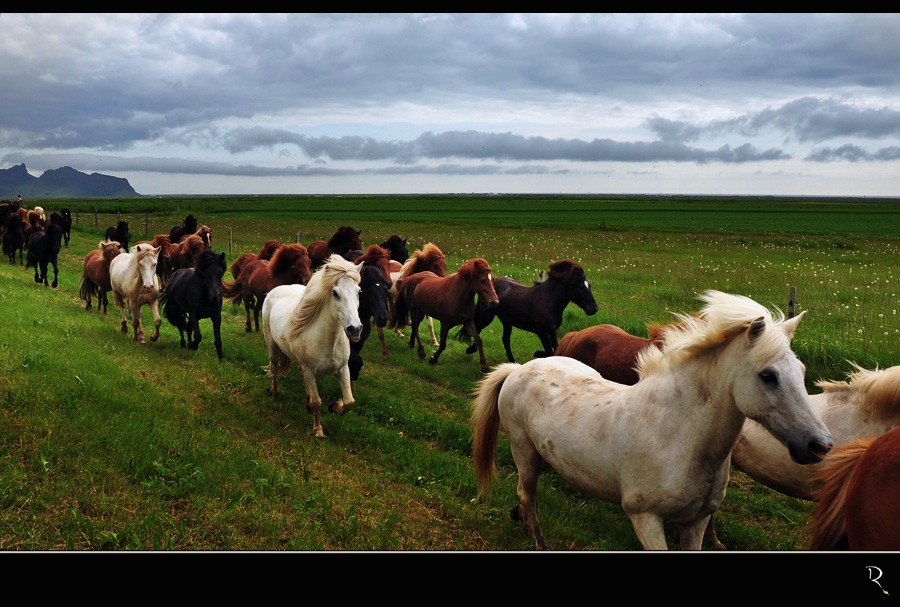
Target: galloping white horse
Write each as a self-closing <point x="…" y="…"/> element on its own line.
<point x="866" y="406"/>
<point x="660" y="448"/>
<point x="312" y="326"/>
<point x="133" y="279"/>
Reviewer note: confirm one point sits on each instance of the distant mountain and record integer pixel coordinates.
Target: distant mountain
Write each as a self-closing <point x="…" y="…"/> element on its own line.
<point x="64" y="182"/>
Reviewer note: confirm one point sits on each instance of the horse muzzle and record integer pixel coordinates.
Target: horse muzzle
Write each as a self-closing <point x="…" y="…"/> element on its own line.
<point x="354" y="332"/>
<point x="813" y="451"/>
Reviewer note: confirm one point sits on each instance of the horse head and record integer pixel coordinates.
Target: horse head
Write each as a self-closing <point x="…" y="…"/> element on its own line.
<point x="578" y="290"/>
<point x="147" y="259"/>
<point x="211" y="268"/>
<point x="480" y="277"/>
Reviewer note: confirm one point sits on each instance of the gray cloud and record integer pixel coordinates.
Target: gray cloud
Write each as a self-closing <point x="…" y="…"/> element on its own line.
<point x="278" y="95"/>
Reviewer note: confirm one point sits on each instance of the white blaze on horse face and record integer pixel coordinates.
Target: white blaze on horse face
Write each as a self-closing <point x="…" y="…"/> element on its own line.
<point x="148" y="270"/>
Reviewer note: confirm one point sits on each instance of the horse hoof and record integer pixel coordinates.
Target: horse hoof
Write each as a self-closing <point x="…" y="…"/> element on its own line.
<point x="472" y="349"/>
<point x="514" y="514"/>
<point x="485" y="369"/>
<point x="154" y="337"/>
<point x="433" y="360"/>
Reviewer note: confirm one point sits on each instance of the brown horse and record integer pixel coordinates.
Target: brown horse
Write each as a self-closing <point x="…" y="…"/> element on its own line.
<point x="265" y="252"/>
<point x="95" y="276"/>
<point x="289" y="265"/>
<point x="186" y="252"/>
<point x="429" y="258"/>
<point x="343" y="240"/>
<point x="610" y="350"/>
<point x="375" y="255"/>
<point x="450" y="299"/>
<point x="164" y="261"/>
<point x="856" y="507"/>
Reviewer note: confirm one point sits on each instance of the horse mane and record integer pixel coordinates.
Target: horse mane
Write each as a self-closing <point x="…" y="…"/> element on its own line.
<point x="285" y="257"/>
<point x="473" y="267"/>
<point x="373" y="255"/>
<point x="344" y="235"/>
<point x="207" y="259"/>
<point x="875" y="391"/>
<point x="268" y="249"/>
<point x="428" y="257"/>
<point x="560" y="270"/>
<point x="829" y="531"/>
<point x="318" y="291"/>
<point x="722" y="318"/>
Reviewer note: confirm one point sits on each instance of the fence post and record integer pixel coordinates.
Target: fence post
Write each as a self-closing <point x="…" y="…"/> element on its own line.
<point x="230" y="236"/>
<point x="297" y="237"/>
<point x="792" y="302"/>
<point x="146" y="224"/>
<point x="96" y="221"/>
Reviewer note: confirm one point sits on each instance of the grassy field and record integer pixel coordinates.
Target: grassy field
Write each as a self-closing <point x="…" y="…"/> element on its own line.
<point x="109" y="445"/>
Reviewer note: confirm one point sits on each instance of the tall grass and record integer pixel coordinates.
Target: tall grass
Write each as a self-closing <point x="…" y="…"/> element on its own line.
<point x="109" y="445"/>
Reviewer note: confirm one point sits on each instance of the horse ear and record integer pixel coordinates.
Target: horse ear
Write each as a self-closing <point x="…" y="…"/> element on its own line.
<point x="790" y="325"/>
<point x="222" y="256"/>
<point x="359" y="266"/>
<point x="756" y="328"/>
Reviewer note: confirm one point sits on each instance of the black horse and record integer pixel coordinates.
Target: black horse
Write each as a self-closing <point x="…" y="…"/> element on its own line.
<point x="66" y="224"/>
<point x="373" y="306"/>
<point x="397" y="247"/>
<point x="14" y="239"/>
<point x="538" y="308"/>
<point x="186" y="229"/>
<point x="118" y="233"/>
<point x="43" y="250"/>
<point x="192" y="294"/>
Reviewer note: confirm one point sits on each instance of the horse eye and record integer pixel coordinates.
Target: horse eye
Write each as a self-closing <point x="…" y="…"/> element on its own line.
<point x="335" y="294"/>
<point x="769" y="378"/>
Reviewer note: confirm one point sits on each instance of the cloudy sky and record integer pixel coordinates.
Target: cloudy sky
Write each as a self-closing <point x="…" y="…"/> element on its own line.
<point x="781" y="104"/>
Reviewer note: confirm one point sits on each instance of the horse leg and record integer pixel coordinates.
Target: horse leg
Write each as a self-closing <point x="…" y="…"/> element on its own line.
<point x="710" y="538"/>
<point x="55" y="282"/>
<point x="248" y="305"/>
<point x="217" y="333"/>
<point x="120" y="303"/>
<point x="194" y="335"/>
<point x="434" y="341"/>
<point x="529" y="466"/>
<point x="346" y="402"/>
<point x="507" y="333"/>
<point x="445" y="329"/>
<point x="136" y="322"/>
<point x="650" y="530"/>
<point x="313" y="400"/>
<point x="157" y="320"/>
<point x="414" y="320"/>
<point x="690" y="537"/>
<point x="380" y="331"/>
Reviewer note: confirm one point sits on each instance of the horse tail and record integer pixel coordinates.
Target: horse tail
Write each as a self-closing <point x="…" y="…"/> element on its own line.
<point x="399" y="311"/>
<point x="829" y="531"/>
<point x="485" y="421"/>
<point x="232" y="290"/>
<point x="87" y="289"/>
<point x="483" y="317"/>
<point x="564" y="342"/>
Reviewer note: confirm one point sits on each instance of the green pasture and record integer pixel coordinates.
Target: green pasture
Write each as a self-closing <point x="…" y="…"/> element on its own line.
<point x="109" y="445"/>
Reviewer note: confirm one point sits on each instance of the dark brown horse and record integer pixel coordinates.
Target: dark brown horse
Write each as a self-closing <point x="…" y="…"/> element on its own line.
<point x="397" y="248"/>
<point x="119" y="233"/>
<point x="265" y="252"/>
<point x="450" y="299"/>
<point x="538" y="308"/>
<point x="14" y="238"/>
<point x="610" y="350"/>
<point x="95" y="276"/>
<point x="289" y="265"/>
<point x="188" y="227"/>
<point x="343" y="240"/>
<point x="856" y="508"/>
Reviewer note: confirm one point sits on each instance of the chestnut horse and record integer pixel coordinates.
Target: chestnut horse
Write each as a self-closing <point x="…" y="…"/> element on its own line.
<point x="265" y="252"/>
<point x="343" y="240"/>
<point x="450" y="299"/>
<point x="609" y="349"/>
<point x="857" y="505"/>
<point x="95" y="276"/>
<point x="289" y="265"/>
<point x="429" y="258"/>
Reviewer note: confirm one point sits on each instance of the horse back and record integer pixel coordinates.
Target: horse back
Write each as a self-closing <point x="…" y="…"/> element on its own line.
<point x="610" y="350"/>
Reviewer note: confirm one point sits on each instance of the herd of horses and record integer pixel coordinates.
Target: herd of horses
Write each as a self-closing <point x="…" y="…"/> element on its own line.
<point x="653" y="424"/>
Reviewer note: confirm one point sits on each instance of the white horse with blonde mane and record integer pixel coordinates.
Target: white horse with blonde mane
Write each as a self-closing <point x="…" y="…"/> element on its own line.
<point x="312" y="326"/>
<point x="660" y="448"/>
<point x="865" y="406"/>
<point x="132" y="277"/>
